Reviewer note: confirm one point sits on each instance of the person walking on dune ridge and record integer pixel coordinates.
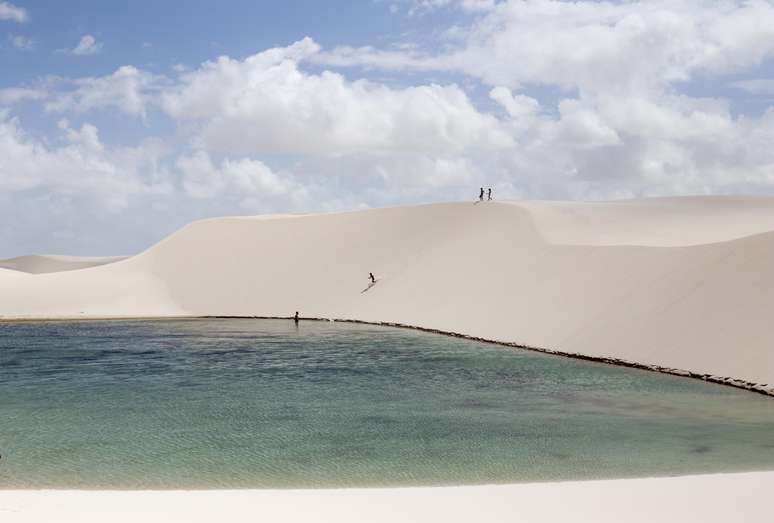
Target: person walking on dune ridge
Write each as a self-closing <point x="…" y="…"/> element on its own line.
<point x="481" y="195"/>
<point x="489" y="194"/>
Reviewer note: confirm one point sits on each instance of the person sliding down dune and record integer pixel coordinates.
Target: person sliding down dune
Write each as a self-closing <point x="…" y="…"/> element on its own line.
<point x="371" y="276"/>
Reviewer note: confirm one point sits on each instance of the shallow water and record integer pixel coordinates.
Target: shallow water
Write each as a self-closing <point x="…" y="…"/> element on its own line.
<point x="259" y="403"/>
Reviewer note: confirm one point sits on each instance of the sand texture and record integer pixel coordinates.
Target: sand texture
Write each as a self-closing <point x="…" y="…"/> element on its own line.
<point x="705" y="499"/>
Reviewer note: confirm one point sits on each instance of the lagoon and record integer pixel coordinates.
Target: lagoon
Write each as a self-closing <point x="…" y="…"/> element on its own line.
<point x="240" y="403"/>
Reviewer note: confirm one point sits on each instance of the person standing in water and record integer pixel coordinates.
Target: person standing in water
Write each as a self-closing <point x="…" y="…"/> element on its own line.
<point x="295" y="318"/>
<point x="371" y="275"/>
<point x="481" y="195"/>
<point x="489" y="194"/>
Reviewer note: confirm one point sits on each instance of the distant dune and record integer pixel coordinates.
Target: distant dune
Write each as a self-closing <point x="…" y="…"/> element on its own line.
<point x="39" y="264"/>
<point x="683" y="283"/>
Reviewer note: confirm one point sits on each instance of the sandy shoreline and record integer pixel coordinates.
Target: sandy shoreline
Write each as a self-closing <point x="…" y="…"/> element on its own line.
<point x="709" y="498"/>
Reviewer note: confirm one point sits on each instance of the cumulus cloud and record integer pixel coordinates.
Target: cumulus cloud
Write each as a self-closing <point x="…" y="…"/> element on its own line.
<point x="594" y="45"/>
<point x="12" y="95"/>
<point x="369" y="57"/>
<point x="618" y="128"/>
<point x="81" y="165"/>
<point x="517" y="106"/>
<point x="8" y="11"/>
<point x="87" y="45"/>
<point x="53" y="193"/>
<point x="128" y="89"/>
<point x="599" y="46"/>
<point x="242" y="181"/>
<point x="75" y="193"/>
<point x="267" y="104"/>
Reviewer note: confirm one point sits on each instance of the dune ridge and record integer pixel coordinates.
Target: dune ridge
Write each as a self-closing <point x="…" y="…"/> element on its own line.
<point x="679" y="284"/>
<point x="39" y="263"/>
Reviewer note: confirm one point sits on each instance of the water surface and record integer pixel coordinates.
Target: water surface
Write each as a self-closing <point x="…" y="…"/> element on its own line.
<point x="259" y="403"/>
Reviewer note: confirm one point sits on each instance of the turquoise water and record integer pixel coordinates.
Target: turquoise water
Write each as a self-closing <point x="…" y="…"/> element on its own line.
<point x="259" y="403"/>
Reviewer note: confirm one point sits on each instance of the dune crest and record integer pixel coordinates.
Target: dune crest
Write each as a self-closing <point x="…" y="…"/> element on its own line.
<point x="39" y="264"/>
<point x="683" y="283"/>
<point x="652" y="222"/>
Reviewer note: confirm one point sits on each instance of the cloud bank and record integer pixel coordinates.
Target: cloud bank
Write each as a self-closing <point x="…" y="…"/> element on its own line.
<point x="301" y="128"/>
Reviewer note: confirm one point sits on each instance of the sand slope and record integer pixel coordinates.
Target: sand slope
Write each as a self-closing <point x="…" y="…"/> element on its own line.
<point x="686" y="283"/>
<point x="38" y="264"/>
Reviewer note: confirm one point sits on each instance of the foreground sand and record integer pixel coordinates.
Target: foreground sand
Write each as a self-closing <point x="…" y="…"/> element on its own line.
<point x="707" y="499"/>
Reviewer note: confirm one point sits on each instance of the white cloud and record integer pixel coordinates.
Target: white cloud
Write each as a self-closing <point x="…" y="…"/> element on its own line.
<point x="369" y="57"/>
<point x="478" y="5"/>
<point x="580" y="125"/>
<point x="267" y="104"/>
<point x="12" y="95"/>
<point x="518" y="106"/>
<point x="631" y="46"/>
<point x="87" y="45"/>
<point x="82" y="164"/>
<point x="128" y="89"/>
<point x="594" y="46"/>
<point x="419" y="7"/>
<point x="8" y="11"/>
<point x="242" y="181"/>
<point x="76" y="194"/>
<point x="22" y="42"/>
<point x="620" y="129"/>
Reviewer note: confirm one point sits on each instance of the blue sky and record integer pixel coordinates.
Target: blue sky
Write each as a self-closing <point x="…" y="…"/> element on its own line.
<point x="122" y="121"/>
<point x="159" y="35"/>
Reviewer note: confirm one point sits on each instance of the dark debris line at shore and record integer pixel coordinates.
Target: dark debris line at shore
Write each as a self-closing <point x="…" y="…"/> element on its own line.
<point x="721" y="380"/>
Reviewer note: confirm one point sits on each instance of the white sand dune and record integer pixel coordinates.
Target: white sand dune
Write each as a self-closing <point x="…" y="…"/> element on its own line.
<point x="38" y="264"/>
<point x="683" y="283"/>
